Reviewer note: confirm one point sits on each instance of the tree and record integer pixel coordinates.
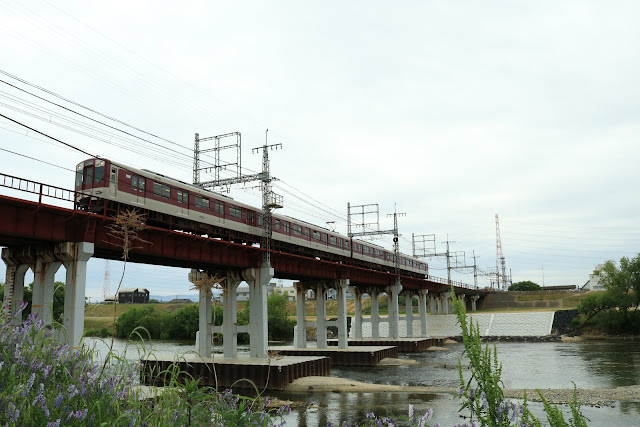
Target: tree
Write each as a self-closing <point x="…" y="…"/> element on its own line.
<point x="624" y="279"/>
<point x="526" y="285"/>
<point x="610" y="309"/>
<point x="280" y="326"/>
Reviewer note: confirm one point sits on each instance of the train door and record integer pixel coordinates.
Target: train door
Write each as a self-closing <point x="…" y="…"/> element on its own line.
<point x="183" y="202"/>
<point x="113" y="182"/>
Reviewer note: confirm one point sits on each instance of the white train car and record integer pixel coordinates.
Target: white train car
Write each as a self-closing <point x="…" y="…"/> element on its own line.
<point x="174" y="204"/>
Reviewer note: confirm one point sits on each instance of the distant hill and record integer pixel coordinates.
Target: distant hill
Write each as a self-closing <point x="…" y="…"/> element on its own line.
<point x="167" y="298"/>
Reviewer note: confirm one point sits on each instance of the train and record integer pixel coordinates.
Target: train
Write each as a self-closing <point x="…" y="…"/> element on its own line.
<point x="170" y="203"/>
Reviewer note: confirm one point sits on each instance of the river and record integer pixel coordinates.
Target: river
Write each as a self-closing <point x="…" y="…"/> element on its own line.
<point x="590" y="364"/>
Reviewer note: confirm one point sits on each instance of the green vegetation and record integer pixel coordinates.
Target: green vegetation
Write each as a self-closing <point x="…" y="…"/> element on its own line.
<point x="482" y="393"/>
<point x="525" y="285"/>
<point x="48" y="384"/>
<point x="615" y="310"/>
<point x="183" y="324"/>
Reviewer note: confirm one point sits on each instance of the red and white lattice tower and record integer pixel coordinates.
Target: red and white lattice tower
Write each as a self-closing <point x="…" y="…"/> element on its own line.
<point x="106" y="286"/>
<point x="501" y="269"/>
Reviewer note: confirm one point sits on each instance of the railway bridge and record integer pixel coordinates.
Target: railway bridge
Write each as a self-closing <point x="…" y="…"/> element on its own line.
<point x="41" y="230"/>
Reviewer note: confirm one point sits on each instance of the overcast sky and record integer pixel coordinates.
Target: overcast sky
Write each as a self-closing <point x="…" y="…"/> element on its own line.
<point x="449" y="111"/>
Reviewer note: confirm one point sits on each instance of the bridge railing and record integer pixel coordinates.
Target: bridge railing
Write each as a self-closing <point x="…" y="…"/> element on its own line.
<point x="453" y="282"/>
<point x="37" y="188"/>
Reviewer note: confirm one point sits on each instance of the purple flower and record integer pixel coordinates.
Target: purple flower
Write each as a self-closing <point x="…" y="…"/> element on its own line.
<point x="12" y="412"/>
<point x="59" y="400"/>
<point x="72" y="391"/>
<point x="55" y="423"/>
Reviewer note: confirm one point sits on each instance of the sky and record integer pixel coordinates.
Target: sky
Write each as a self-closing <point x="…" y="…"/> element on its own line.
<point x="449" y="112"/>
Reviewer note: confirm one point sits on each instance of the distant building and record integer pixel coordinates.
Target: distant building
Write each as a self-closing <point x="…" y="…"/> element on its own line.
<point x="133" y="296"/>
<point x="242" y="293"/>
<point x="289" y="292"/>
<point x="593" y="284"/>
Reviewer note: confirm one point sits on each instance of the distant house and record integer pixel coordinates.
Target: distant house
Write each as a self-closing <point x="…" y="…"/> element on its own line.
<point x="593" y="284"/>
<point x="133" y="296"/>
<point x="289" y="292"/>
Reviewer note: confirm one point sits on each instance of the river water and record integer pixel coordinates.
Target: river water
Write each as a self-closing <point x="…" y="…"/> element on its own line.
<point x="591" y="364"/>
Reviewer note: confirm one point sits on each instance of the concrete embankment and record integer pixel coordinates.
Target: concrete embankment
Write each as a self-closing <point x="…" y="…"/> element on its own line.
<point x="528" y="324"/>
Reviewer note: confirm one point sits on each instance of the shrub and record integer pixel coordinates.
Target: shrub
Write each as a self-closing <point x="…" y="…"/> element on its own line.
<point x="525" y="285"/>
<point x="280" y="326"/>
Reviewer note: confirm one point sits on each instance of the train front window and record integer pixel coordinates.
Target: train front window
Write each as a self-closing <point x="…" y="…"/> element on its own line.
<point x="98" y="174"/>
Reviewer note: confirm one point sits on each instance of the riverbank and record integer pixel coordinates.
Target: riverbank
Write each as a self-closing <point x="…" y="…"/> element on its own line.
<point x="592" y="397"/>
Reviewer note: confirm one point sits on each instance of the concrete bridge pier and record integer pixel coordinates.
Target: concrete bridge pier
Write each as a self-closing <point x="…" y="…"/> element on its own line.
<point x="320" y="291"/>
<point x="230" y="328"/>
<point x="374" y="293"/>
<point x="474" y="299"/>
<point x="422" y="310"/>
<point x="408" y="296"/>
<point x="433" y="304"/>
<point x="17" y="266"/>
<point x="300" y="331"/>
<point x="394" y="313"/>
<point x="357" y="318"/>
<point x="205" y="331"/>
<point x="258" y="279"/>
<point x="341" y="286"/>
<point x="44" y="270"/>
<point x="74" y="256"/>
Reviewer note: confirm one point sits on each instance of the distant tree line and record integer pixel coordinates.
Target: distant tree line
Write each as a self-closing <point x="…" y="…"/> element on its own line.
<point x="184" y="324"/>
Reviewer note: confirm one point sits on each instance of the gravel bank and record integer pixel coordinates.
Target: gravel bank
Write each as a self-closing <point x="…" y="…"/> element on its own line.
<point x="593" y="397"/>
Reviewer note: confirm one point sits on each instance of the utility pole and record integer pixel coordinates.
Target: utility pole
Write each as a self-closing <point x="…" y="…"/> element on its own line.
<point x="270" y="200"/>
<point x="368" y="210"/>
<point x="448" y="255"/>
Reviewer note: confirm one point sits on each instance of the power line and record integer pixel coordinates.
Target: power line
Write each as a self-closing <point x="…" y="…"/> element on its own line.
<point x="48" y="136"/>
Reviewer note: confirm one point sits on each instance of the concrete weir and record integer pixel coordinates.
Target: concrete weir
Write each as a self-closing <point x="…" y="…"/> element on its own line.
<point x="275" y="373"/>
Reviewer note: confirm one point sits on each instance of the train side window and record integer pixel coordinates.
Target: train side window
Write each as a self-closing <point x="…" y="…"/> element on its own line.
<point x="276" y="224"/>
<point x="137" y="183"/>
<point x="297" y="230"/>
<point x="183" y="197"/>
<point x="250" y="217"/>
<point x="316" y="235"/>
<point x="259" y="219"/>
<point x="202" y="203"/>
<point x="235" y="211"/>
<point x="340" y="242"/>
<point x="286" y="226"/>
<point x="161" y="189"/>
<point x="114" y="172"/>
<point x="79" y="175"/>
<point x="219" y="208"/>
<point x="346" y="244"/>
<point x="332" y="240"/>
<point x="306" y="232"/>
<point x="324" y="237"/>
